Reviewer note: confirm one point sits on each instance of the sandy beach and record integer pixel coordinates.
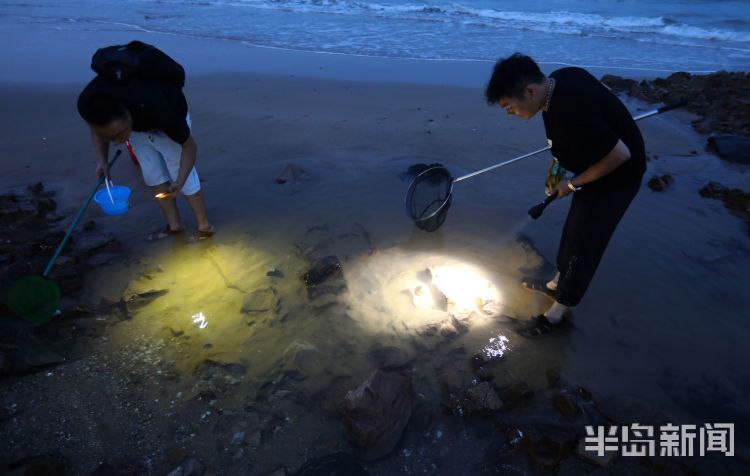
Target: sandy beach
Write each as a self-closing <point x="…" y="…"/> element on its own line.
<point x="661" y="329"/>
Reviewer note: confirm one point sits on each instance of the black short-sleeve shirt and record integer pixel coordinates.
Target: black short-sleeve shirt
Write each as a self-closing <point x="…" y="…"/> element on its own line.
<point x="153" y="105"/>
<point x="584" y="122"/>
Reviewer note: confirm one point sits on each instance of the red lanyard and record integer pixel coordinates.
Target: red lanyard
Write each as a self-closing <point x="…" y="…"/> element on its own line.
<point x="130" y="151"/>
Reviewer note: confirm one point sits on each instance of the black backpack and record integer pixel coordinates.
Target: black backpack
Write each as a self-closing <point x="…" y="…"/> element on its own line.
<point x="122" y="63"/>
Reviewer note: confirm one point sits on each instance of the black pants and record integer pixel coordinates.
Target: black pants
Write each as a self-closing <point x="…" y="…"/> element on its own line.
<point x="592" y="219"/>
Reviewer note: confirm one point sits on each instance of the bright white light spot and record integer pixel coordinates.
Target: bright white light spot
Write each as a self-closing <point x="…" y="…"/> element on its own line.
<point x="422" y="296"/>
<point x="466" y="290"/>
<point x="200" y="319"/>
<point x="398" y="290"/>
<point x="497" y="347"/>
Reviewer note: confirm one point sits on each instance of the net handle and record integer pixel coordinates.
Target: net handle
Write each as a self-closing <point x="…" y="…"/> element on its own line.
<point x="77" y="218"/>
<point x="492" y="167"/>
<point x="666" y="108"/>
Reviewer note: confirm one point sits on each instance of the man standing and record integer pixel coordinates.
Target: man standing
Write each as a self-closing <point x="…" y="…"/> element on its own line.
<point x="150" y="114"/>
<point x="592" y="134"/>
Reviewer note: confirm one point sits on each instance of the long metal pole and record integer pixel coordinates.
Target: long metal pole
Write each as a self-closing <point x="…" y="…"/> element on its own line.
<point x="525" y="156"/>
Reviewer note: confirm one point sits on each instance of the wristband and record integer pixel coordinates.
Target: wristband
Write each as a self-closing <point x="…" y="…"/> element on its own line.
<point x="572" y="187"/>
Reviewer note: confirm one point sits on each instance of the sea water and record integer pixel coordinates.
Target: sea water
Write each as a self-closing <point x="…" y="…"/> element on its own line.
<point x="640" y="36"/>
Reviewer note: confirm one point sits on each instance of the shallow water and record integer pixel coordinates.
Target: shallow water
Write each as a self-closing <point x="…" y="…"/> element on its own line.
<point x="660" y="321"/>
<point x="288" y="362"/>
<point x="382" y="259"/>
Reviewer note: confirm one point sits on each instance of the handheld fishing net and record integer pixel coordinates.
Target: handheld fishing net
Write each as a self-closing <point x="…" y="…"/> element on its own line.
<point x="429" y="197"/>
<point x="430" y="193"/>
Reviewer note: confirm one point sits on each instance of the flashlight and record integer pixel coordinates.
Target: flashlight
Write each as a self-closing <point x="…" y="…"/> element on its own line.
<point x="160" y="195"/>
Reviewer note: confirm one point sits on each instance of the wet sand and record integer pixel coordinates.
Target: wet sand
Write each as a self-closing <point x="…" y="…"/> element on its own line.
<point x="661" y="322"/>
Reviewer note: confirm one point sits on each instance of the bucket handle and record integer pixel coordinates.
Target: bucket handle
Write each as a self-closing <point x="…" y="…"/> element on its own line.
<point x="108" y="184"/>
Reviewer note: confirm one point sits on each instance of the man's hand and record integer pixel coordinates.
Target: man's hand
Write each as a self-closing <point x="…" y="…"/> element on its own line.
<point x="101" y="148"/>
<point x="171" y="191"/>
<point x="562" y="189"/>
<point x="102" y="168"/>
<point x="174" y="188"/>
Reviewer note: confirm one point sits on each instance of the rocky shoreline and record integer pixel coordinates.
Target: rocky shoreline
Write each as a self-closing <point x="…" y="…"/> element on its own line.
<point x="722" y="102"/>
<point x="484" y="427"/>
<point x="64" y="379"/>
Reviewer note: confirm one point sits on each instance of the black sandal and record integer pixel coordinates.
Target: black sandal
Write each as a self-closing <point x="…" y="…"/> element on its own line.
<point x="538" y="285"/>
<point x="539" y="326"/>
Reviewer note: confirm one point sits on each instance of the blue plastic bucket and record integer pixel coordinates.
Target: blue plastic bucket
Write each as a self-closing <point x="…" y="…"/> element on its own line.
<point x="120" y="195"/>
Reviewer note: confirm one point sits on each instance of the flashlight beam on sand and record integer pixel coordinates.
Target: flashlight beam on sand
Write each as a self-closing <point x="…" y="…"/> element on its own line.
<point x="400" y="289"/>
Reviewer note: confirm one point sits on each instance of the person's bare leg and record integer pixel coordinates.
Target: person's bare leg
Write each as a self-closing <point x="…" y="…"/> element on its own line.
<point x="552" y="285"/>
<point x="168" y="206"/>
<point x="555" y="313"/>
<point x="199" y="210"/>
